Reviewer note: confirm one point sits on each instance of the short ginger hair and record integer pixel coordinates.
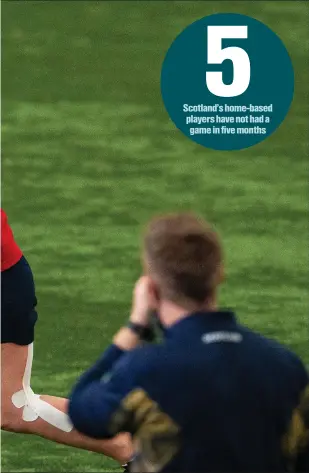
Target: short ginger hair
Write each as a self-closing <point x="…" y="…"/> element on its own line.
<point x="183" y="255"/>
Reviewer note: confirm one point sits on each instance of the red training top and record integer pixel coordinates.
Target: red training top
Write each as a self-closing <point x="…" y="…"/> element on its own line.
<point x="10" y="251"/>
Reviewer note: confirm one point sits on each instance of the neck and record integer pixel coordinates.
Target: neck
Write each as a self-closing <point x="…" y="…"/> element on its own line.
<point x="170" y="313"/>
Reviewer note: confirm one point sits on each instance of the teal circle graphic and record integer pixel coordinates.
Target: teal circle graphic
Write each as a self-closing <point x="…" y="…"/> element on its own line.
<point x="227" y="81"/>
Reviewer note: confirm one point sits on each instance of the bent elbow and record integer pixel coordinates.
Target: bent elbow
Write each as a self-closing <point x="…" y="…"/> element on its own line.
<point x="84" y="419"/>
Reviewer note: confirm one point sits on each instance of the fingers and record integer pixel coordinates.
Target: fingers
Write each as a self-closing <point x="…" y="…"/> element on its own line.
<point x="143" y="301"/>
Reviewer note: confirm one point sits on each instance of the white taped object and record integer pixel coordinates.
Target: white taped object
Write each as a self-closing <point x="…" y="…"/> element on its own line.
<point x="34" y="407"/>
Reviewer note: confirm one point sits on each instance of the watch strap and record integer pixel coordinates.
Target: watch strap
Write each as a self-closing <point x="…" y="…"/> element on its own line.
<point x="144" y="333"/>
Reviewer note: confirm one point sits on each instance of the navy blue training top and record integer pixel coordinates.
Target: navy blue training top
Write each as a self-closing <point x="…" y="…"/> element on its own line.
<point x="214" y="396"/>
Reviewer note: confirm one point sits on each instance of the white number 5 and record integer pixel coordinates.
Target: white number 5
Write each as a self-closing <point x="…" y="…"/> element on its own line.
<point x="216" y="55"/>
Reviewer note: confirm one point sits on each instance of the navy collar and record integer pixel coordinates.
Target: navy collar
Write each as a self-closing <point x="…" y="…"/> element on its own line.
<point x="205" y="321"/>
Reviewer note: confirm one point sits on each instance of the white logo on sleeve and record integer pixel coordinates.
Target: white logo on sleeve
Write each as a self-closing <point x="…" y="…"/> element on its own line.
<point x="213" y="337"/>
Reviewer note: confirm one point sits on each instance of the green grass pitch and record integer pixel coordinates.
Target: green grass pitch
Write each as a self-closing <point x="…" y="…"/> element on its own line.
<point x="89" y="154"/>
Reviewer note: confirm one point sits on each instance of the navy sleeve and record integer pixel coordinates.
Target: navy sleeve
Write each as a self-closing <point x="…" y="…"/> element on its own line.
<point x="99" y="393"/>
<point x="111" y="355"/>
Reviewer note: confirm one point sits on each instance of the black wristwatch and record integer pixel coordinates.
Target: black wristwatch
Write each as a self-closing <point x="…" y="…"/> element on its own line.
<point x="144" y="333"/>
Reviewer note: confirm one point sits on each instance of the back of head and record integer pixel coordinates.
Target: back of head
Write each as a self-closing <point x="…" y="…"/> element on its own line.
<point x="183" y="256"/>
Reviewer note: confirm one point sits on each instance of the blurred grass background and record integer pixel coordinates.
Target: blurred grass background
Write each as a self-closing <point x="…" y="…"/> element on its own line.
<point x="89" y="155"/>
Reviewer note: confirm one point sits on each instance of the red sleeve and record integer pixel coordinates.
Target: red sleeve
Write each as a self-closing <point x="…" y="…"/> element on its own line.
<point x="10" y="251"/>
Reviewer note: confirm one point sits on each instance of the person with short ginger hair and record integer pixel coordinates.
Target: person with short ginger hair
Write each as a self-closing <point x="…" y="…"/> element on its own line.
<point x="213" y="395"/>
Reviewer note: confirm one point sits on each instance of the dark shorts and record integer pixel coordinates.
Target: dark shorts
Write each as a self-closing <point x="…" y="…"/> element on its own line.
<point x="18" y="302"/>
